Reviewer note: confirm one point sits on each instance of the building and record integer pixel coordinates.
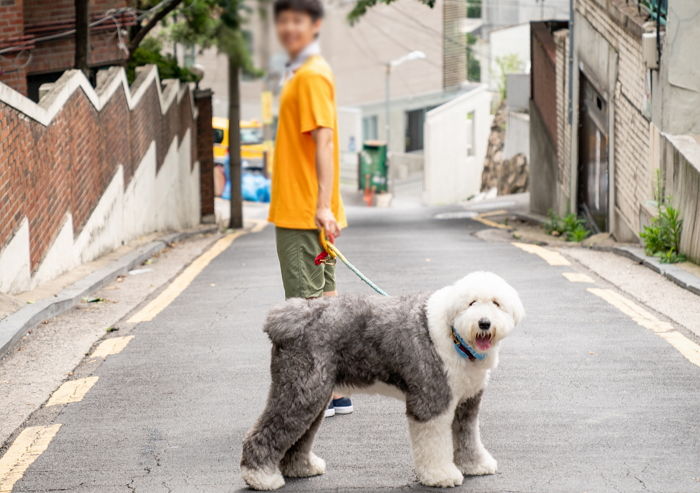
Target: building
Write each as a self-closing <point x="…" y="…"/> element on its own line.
<point x="37" y="44"/>
<point x="615" y="115"/>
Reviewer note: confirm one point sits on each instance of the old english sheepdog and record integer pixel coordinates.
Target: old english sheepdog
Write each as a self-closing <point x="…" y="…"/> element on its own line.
<point x="433" y="351"/>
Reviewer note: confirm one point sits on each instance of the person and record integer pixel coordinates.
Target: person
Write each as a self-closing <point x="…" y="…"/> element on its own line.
<point x="306" y="177"/>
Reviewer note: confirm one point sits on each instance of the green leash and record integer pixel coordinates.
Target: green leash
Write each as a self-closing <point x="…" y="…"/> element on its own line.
<point x="329" y="249"/>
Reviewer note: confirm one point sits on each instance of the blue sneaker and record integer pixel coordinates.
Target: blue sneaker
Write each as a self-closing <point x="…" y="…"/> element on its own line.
<point x="330" y="410"/>
<point x="342" y="405"/>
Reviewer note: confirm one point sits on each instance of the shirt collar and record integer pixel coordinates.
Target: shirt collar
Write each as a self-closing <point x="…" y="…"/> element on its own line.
<point x="312" y="49"/>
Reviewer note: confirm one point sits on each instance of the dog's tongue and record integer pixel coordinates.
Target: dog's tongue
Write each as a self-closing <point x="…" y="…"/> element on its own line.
<point x="483" y="344"/>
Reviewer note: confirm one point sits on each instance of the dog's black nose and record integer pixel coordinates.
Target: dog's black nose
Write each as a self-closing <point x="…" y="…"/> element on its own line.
<point x="484" y="324"/>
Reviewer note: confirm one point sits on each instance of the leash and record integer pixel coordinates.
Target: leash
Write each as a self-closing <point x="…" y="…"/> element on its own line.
<point x="330" y="250"/>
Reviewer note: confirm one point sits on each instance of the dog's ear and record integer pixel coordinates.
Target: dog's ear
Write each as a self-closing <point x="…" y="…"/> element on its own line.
<point x="515" y="305"/>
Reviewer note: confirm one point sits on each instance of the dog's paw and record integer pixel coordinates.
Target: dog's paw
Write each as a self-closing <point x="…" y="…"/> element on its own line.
<point x="446" y="476"/>
<point x="262" y="479"/>
<point x="304" y="466"/>
<point x="485" y="464"/>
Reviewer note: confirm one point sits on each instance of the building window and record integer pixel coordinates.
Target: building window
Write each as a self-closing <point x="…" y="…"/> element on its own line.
<point x="415" y="120"/>
<point x="369" y="128"/>
<point x="471" y="137"/>
<point x="474" y="9"/>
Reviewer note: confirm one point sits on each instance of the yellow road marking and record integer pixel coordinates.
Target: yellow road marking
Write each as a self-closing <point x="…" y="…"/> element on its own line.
<point x="493" y="224"/>
<point x="578" y="277"/>
<point x="499" y="212"/>
<point x="549" y="256"/>
<point x="72" y="391"/>
<point x="26" y="448"/>
<point x="665" y="330"/>
<point x="111" y="346"/>
<point x="183" y="280"/>
<point x="259" y="225"/>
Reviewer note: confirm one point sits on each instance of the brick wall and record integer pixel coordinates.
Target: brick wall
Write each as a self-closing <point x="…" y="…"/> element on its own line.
<point x="205" y="151"/>
<point x="561" y="41"/>
<point x="24" y="21"/>
<point x="64" y="167"/>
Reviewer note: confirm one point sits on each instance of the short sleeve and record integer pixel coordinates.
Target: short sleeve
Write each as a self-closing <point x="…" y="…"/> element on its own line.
<point x="316" y="106"/>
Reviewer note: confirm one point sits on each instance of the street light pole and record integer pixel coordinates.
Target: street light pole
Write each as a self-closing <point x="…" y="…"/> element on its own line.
<point x="414" y="55"/>
<point x="387" y="99"/>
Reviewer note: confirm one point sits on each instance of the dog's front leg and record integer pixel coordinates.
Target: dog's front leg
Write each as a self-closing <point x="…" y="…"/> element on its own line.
<point x="431" y="441"/>
<point x="469" y="453"/>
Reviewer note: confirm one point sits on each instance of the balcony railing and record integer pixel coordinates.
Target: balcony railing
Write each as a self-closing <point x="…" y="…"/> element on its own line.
<point x="655" y="9"/>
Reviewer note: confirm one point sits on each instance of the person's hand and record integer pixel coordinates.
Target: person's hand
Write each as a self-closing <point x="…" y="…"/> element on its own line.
<point x="326" y="220"/>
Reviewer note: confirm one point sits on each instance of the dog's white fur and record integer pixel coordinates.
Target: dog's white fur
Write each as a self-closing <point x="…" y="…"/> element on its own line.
<point x="432" y="441"/>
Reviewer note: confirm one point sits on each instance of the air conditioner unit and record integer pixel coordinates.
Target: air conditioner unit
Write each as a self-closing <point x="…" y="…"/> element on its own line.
<point x="650" y="53"/>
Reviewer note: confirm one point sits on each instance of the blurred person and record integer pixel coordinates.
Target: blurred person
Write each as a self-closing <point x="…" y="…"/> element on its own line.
<point x="306" y="179"/>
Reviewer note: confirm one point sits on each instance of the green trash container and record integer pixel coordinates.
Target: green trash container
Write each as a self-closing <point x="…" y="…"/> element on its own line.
<point x="374" y="167"/>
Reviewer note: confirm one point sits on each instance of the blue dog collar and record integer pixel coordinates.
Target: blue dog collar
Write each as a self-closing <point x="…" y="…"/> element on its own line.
<point x="463" y="348"/>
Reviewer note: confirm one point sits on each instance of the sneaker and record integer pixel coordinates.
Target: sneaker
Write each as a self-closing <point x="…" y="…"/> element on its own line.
<point x="330" y="410"/>
<point x="342" y="405"/>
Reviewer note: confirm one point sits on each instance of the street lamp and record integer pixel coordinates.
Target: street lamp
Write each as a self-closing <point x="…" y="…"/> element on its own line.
<point x="414" y="55"/>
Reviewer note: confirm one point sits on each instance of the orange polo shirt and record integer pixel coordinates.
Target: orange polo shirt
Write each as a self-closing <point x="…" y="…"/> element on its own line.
<point x="307" y="103"/>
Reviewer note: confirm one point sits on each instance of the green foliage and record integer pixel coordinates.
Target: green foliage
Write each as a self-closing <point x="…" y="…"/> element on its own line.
<point x="474" y="9"/>
<point x="662" y="238"/>
<point x="362" y="6"/>
<point x="507" y="64"/>
<point x="149" y="53"/>
<point x="570" y="227"/>
<point x="219" y="23"/>
<point x="473" y="65"/>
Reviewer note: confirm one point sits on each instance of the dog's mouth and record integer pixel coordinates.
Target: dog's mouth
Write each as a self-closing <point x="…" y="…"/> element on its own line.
<point x="484" y="341"/>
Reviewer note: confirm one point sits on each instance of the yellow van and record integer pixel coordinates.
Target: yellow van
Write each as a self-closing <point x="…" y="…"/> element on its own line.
<point x="252" y="146"/>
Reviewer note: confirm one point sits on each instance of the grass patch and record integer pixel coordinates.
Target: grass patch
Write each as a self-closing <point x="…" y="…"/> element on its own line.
<point x="570" y="227"/>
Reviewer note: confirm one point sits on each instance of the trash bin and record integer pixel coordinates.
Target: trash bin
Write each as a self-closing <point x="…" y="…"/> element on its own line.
<point x="374" y="167"/>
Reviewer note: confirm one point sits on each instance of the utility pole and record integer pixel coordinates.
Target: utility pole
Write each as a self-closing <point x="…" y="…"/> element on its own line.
<point x="234" y="142"/>
<point x="82" y="36"/>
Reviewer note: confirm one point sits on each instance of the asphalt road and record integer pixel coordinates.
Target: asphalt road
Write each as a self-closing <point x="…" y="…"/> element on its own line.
<point x="585" y="399"/>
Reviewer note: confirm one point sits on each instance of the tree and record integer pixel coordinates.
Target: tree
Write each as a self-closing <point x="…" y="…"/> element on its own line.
<point x="156" y="13"/>
<point x="362" y="6"/>
<point x="220" y="23"/>
<point x="82" y="35"/>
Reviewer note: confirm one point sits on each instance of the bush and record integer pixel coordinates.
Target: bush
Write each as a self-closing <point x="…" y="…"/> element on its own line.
<point x="662" y="238"/>
<point x="149" y="53"/>
<point x="570" y="227"/>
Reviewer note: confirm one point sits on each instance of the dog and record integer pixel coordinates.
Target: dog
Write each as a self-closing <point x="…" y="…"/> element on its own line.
<point x="432" y="351"/>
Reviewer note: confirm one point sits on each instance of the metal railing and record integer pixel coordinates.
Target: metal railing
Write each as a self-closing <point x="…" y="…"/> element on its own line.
<point x="657" y="10"/>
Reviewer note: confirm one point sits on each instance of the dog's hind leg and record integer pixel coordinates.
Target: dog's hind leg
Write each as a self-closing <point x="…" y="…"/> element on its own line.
<point x="300" y="461"/>
<point x="304" y="388"/>
<point x="469" y="453"/>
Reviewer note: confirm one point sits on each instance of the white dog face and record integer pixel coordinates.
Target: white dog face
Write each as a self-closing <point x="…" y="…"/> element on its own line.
<point x="485" y="309"/>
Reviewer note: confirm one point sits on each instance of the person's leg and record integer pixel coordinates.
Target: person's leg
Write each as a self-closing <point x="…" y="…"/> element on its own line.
<point x="296" y="250"/>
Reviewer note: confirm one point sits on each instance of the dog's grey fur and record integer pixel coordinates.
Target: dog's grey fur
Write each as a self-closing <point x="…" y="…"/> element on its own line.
<point x="314" y="351"/>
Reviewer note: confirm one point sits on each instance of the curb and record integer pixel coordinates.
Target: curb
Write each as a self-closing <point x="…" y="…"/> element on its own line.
<point x="675" y="274"/>
<point x="671" y="272"/>
<point x="15" y="326"/>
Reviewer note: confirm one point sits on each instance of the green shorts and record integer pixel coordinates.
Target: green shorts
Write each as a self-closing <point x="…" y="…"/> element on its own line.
<point x="302" y="278"/>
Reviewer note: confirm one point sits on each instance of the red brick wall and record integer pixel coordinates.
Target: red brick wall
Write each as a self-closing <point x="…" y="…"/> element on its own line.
<point x="205" y="150"/>
<point x="11" y="29"/>
<point x="65" y="167"/>
<point x="543" y="75"/>
<point x="23" y="21"/>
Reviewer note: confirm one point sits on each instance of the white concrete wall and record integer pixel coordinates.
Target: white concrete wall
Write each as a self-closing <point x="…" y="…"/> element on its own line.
<point x="350" y="139"/>
<point x="455" y="147"/>
<point x="517" y="135"/>
<point x="167" y="199"/>
<point x="506" y="41"/>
